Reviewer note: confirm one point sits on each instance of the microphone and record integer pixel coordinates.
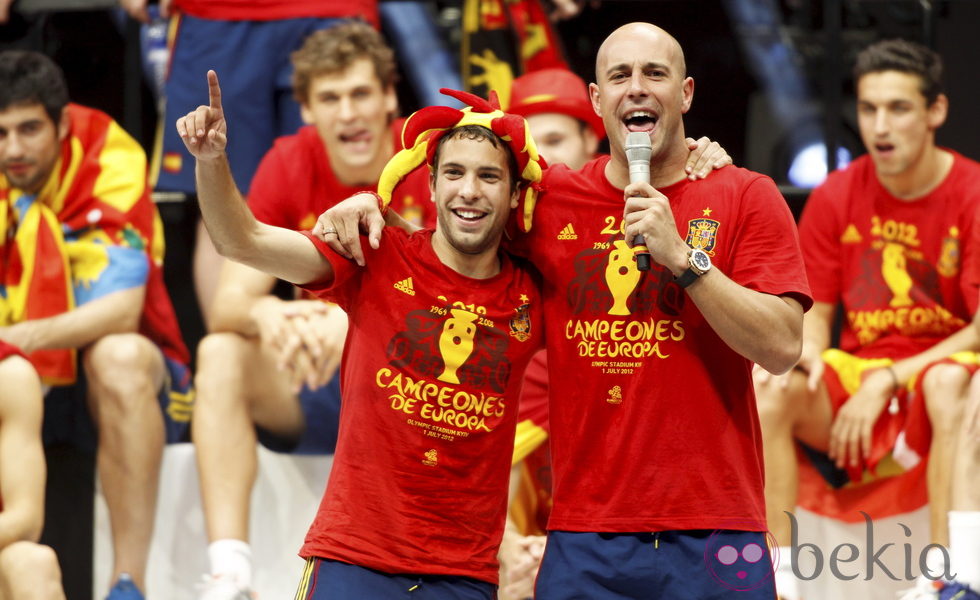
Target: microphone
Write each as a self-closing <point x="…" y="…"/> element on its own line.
<point x="638" y="152"/>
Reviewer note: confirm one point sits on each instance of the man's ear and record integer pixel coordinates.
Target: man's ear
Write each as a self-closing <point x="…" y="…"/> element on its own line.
<point x="594" y="98"/>
<point x="305" y="113"/>
<point x="63" y="124"/>
<point x="937" y="111"/>
<point x="391" y="103"/>
<point x="687" y="92"/>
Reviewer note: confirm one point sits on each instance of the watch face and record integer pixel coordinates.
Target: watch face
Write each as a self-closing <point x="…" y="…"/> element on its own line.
<point x="701" y="260"/>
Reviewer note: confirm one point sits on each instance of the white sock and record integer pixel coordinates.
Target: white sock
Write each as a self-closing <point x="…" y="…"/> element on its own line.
<point x="964" y="546"/>
<point x="786" y="584"/>
<point x="233" y="558"/>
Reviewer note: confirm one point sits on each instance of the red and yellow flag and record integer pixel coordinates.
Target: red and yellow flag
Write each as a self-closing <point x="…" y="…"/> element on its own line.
<point x="503" y="39"/>
<point x="95" y="198"/>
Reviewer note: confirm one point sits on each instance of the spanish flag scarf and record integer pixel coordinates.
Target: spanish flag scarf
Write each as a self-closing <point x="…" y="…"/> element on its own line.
<point x="95" y="197"/>
<point x="35" y="269"/>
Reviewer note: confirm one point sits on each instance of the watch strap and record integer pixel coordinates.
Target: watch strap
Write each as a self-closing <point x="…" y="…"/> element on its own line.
<point x="687" y="278"/>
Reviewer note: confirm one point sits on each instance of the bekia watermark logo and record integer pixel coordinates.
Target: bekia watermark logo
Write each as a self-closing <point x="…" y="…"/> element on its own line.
<point x="839" y="559"/>
<point x="744" y="566"/>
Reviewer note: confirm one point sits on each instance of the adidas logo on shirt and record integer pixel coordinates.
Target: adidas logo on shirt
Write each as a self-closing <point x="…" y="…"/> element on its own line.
<point x="851" y="235"/>
<point x="405" y="285"/>
<point x="568" y="233"/>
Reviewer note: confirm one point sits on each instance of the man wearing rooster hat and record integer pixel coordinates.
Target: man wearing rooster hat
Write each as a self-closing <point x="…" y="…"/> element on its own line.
<point x="442" y="325"/>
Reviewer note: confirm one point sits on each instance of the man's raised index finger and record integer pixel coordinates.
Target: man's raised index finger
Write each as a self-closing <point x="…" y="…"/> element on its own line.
<point x="214" y="90"/>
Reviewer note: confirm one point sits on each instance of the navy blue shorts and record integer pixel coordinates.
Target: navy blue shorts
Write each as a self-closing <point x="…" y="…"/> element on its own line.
<point x="335" y="580"/>
<point x="669" y="565"/>
<point x="252" y="62"/>
<point x="321" y="410"/>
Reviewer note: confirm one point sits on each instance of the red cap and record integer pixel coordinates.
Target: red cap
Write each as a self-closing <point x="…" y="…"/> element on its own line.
<point x="554" y="91"/>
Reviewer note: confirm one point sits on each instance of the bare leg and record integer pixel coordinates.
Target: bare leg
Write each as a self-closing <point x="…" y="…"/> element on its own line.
<point x="966" y="460"/>
<point x="786" y="414"/>
<point x="964" y="518"/>
<point x="21" y="451"/>
<point x="125" y="373"/>
<point x="945" y="388"/>
<point x="237" y="386"/>
<point x="29" y="571"/>
<point x="207" y="266"/>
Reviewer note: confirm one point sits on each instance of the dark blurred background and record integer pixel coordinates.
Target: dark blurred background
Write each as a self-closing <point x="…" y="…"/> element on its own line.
<point x="745" y="56"/>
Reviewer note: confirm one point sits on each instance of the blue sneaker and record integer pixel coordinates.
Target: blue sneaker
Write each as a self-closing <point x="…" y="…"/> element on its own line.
<point x="957" y="591"/>
<point x="125" y="589"/>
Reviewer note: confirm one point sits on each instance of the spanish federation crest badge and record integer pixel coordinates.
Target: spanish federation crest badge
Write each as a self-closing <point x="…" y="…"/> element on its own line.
<point x="520" y="323"/>
<point x="701" y="234"/>
<point x="949" y="257"/>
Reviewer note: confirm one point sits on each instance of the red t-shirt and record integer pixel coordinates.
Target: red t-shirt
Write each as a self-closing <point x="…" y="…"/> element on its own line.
<point x="534" y="395"/>
<point x="294" y="184"/>
<point x="431" y="373"/>
<point x="653" y="417"/>
<point x="268" y="10"/>
<point x="900" y="268"/>
<point x="530" y="506"/>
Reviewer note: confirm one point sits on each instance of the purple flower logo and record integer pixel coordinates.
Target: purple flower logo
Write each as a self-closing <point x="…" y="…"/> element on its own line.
<point x="740" y="567"/>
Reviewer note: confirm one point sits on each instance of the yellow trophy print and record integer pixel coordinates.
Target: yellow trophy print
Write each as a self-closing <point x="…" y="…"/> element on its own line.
<point x="621" y="276"/>
<point x="895" y="273"/>
<point x="456" y="343"/>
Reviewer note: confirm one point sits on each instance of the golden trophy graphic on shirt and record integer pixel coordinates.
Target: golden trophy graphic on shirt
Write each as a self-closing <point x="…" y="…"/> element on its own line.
<point x="893" y="270"/>
<point x="621" y="276"/>
<point x="456" y="343"/>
